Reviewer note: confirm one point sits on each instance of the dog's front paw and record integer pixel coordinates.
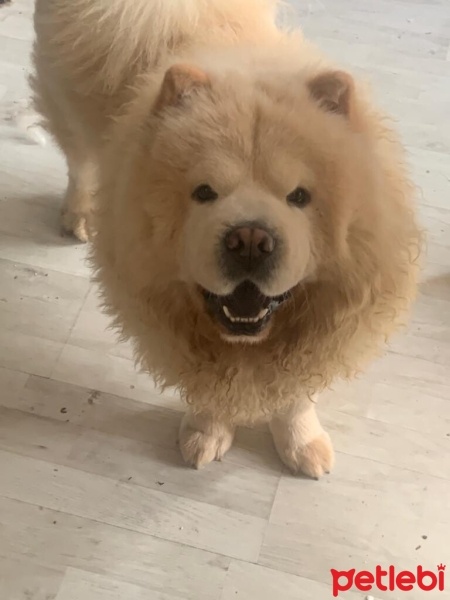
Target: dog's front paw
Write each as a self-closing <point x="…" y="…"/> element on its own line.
<point x="76" y="224"/>
<point x="314" y="459"/>
<point x="201" y="446"/>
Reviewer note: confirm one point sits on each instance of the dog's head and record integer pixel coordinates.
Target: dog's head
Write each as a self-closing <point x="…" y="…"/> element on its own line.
<point x="251" y="188"/>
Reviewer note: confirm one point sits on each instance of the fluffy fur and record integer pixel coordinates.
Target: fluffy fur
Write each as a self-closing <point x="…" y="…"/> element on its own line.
<point x="254" y="112"/>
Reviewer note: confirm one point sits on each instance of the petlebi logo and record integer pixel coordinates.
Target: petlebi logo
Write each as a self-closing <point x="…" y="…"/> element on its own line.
<point x="389" y="579"/>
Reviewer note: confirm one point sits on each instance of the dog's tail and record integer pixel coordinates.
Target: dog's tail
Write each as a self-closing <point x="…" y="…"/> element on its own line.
<point x="108" y="42"/>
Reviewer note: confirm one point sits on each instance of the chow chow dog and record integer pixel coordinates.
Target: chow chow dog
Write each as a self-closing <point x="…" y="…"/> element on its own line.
<point x="251" y="218"/>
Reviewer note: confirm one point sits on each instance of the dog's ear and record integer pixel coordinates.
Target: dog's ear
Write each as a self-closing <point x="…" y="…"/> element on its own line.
<point x="333" y="91"/>
<point x="179" y="82"/>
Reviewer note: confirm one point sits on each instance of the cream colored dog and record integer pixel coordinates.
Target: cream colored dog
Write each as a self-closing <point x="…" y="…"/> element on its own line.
<point x="253" y="228"/>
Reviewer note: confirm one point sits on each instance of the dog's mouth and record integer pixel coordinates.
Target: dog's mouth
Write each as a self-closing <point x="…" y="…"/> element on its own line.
<point x="245" y="312"/>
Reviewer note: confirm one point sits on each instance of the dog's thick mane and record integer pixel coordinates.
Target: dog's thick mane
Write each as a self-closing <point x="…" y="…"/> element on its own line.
<point x="330" y="329"/>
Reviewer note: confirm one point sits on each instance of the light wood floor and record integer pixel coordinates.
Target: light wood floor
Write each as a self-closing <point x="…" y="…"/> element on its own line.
<point x="95" y="503"/>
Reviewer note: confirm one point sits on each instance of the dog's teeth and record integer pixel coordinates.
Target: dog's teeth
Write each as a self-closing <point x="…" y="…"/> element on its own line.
<point x="262" y="313"/>
<point x="226" y="310"/>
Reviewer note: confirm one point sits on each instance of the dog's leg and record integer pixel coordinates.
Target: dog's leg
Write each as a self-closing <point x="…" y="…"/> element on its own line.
<point x="203" y="439"/>
<point x="79" y="199"/>
<point x="300" y="440"/>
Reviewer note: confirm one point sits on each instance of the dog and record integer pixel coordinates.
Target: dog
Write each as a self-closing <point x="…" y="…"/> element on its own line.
<point x="252" y="220"/>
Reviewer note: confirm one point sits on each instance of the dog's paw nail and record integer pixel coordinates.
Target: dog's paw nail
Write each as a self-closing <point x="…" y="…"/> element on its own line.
<point x="314" y="459"/>
<point x="76" y="225"/>
<point x="199" y="448"/>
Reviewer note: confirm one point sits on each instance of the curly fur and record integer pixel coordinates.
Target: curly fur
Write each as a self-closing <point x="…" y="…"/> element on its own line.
<point x="99" y="65"/>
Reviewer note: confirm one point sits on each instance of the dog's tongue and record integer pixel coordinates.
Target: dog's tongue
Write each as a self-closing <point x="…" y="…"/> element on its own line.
<point x="246" y="300"/>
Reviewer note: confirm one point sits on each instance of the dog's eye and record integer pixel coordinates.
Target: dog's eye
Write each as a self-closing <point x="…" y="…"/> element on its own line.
<point x="204" y="193"/>
<point x="299" y="197"/>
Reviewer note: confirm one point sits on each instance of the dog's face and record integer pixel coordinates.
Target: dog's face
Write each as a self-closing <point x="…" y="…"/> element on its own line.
<point x="253" y="190"/>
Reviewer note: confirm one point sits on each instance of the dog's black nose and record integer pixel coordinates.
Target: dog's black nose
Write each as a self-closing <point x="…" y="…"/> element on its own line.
<point x="248" y="247"/>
